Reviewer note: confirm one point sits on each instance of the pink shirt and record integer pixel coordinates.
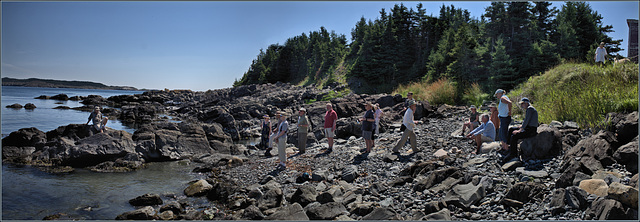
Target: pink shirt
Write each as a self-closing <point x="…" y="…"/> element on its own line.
<point x="329" y="118"/>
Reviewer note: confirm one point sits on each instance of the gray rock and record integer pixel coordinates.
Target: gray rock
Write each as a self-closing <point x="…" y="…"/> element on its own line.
<point x="580" y="176"/>
<point x="627" y="155"/>
<point x="606" y="209"/>
<point x="576" y="198"/>
<point x="252" y="213"/>
<point x="383" y="213"/>
<point x="146" y="200"/>
<point x="272" y="198"/>
<point x="465" y="195"/>
<point x="350" y="173"/>
<point x="145" y="213"/>
<point x="199" y="188"/>
<point x="547" y="143"/>
<point x="173" y="206"/>
<point x="443" y="214"/>
<point x="304" y="195"/>
<point x="328" y="211"/>
<point x="532" y="173"/>
<point x="293" y="212"/>
<point x="510" y="166"/>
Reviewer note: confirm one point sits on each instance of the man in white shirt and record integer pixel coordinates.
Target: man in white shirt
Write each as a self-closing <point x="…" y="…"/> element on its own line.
<point x="410" y="125"/>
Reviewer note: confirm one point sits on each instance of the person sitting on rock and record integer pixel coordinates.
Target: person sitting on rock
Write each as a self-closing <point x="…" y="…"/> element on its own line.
<point x="266" y="132"/>
<point x="528" y="129"/>
<point x="494" y="117"/>
<point x="473" y="120"/>
<point x="485" y="133"/>
<point x="303" y="130"/>
<point x="99" y="121"/>
<point x="281" y="139"/>
<point x="410" y="124"/>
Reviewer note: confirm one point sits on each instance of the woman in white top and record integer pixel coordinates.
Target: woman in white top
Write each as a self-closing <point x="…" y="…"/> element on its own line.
<point x="601" y="54"/>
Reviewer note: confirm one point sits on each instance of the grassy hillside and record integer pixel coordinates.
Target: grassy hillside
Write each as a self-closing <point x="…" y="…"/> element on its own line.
<point x="583" y="93"/>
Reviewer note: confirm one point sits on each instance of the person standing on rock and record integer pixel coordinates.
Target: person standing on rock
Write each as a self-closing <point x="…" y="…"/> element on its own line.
<point x="410" y="125"/>
<point x="266" y="132"/>
<point x="473" y="120"/>
<point x="303" y="130"/>
<point x="330" y="119"/>
<point x="504" y="114"/>
<point x="281" y="139"/>
<point x="494" y="116"/>
<point x="99" y="121"/>
<point x="378" y="114"/>
<point x="528" y="129"/>
<point x="367" y="126"/>
<point x="486" y="132"/>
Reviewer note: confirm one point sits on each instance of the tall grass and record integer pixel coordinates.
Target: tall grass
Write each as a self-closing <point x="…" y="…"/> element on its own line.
<point x="442" y="91"/>
<point x="582" y="93"/>
<point x="474" y="95"/>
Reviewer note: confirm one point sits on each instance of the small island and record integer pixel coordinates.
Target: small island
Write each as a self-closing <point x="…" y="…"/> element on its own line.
<point x="50" y="83"/>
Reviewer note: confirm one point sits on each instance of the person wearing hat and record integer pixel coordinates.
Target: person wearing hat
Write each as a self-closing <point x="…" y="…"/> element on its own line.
<point x="99" y="120"/>
<point x="528" y="129"/>
<point x="266" y="132"/>
<point x="504" y="114"/>
<point x="601" y="54"/>
<point x="281" y="139"/>
<point x="494" y="116"/>
<point x="410" y="125"/>
<point x="485" y="133"/>
<point x="303" y="130"/>
<point x="473" y="120"/>
<point x="368" y="121"/>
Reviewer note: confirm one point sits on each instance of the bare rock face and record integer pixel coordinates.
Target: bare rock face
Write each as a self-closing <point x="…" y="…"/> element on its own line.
<point x="547" y="143"/>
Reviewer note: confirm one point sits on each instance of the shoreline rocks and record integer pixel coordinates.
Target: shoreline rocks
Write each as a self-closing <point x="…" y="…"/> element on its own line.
<point x="439" y="182"/>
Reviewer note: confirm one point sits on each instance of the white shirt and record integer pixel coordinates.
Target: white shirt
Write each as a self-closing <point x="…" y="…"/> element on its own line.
<point x="408" y="119"/>
<point x="600" y="52"/>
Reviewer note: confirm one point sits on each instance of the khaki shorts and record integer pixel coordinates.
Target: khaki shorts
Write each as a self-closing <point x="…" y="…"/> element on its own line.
<point x="486" y="139"/>
<point x="475" y="124"/>
<point x="328" y="132"/>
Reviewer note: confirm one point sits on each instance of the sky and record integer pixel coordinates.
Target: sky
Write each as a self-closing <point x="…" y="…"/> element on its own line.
<point x="197" y="45"/>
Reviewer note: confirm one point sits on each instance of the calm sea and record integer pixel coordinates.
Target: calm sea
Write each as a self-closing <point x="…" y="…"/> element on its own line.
<point x="30" y="194"/>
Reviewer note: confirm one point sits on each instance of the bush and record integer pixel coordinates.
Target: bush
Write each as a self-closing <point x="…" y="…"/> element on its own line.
<point x="474" y="95"/>
<point x="439" y="92"/>
<point x="581" y="92"/>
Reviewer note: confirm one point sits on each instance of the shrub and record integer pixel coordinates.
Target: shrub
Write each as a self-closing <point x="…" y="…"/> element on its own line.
<point x="474" y="95"/>
<point x="439" y="92"/>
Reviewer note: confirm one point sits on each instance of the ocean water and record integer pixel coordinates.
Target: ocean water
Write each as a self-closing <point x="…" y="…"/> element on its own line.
<point x="30" y="194"/>
<point x="44" y="117"/>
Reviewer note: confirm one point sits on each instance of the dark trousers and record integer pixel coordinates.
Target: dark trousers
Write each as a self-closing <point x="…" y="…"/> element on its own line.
<point x="513" y="139"/>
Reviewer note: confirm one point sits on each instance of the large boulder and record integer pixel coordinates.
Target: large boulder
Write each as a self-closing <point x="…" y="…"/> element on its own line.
<point x="526" y="191"/>
<point x="625" y="194"/>
<point x="598" y="146"/>
<point x="627" y="155"/>
<point x="382" y="213"/>
<point x="547" y="143"/>
<point x="595" y="186"/>
<point x="199" y="188"/>
<point x="293" y="212"/>
<point x="172" y="141"/>
<point x="304" y="195"/>
<point x="327" y="211"/>
<point x="272" y="197"/>
<point x="29" y="137"/>
<point x="436" y="177"/>
<point x="145" y="213"/>
<point x="625" y="126"/>
<point x="465" y="195"/>
<point x="146" y="200"/>
<point x="605" y="209"/>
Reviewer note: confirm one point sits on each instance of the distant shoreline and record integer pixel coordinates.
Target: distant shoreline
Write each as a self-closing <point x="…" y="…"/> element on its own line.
<point x="50" y="83"/>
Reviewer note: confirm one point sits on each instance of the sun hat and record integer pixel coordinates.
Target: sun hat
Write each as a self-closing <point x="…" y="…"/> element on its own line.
<point x="499" y="91"/>
<point x="303" y="109"/>
<point x="412" y="102"/>
<point x="472" y="107"/>
<point x="524" y="100"/>
<point x="492" y="105"/>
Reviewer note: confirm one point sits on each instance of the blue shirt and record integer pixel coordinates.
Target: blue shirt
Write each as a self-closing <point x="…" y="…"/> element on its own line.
<point x="503" y="108"/>
<point x="487" y="129"/>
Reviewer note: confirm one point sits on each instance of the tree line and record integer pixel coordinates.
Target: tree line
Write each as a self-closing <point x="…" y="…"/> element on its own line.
<point x="511" y="42"/>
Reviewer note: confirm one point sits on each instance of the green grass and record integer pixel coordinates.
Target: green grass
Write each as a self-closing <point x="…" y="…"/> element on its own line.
<point x="582" y="93"/>
<point x="442" y="91"/>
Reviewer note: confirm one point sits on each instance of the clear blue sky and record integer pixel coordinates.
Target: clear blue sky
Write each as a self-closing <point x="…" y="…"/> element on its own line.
<point x="187" y="45"/>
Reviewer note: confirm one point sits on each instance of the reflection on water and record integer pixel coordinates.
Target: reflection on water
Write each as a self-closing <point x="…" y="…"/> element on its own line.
<point x="30" y="194"/>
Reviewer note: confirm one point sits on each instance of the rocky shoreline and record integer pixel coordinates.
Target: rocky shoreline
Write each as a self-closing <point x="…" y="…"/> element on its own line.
<point x="568" y="173"/>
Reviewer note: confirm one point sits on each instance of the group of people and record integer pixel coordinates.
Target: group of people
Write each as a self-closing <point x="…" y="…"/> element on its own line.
<point x="483" y="127"/>
<point x="278" y="134"/>
<point x="501" y="117"/>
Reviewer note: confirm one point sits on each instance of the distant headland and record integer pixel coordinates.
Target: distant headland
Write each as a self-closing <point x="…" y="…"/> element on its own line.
<point x="34" y="82"/>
